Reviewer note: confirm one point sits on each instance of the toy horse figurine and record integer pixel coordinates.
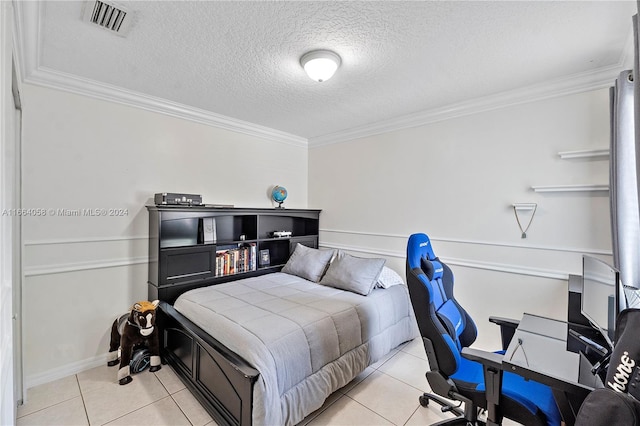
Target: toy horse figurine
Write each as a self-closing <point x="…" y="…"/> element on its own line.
<point x="131" y="330"/>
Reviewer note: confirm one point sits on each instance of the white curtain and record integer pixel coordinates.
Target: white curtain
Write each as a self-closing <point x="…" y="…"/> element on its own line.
<point x="625" y="213"/>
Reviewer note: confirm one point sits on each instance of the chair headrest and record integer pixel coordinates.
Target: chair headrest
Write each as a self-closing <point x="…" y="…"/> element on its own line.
<point x="432" y="269"/>
<point x="418" y="247"/>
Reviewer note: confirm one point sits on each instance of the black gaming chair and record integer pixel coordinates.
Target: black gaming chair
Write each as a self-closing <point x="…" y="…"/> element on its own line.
<point x="458" y="372"/>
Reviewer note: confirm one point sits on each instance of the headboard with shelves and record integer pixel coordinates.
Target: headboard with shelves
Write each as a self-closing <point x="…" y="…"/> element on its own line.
<point x="182" y="258"/>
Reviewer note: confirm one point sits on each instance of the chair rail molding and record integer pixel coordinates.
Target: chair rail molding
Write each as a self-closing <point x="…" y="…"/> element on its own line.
<point x="604" y="252"/>
<point x="61" y="268"/>
<point x="55" y="241"/>
<point x="490" y="266"/>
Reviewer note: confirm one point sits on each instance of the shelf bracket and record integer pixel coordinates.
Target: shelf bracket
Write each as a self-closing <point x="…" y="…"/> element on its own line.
<point x="524" y="207"/>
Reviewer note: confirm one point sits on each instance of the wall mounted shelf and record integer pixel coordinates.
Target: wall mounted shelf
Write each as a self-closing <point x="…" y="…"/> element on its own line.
<point x="524" y="206"/>
<point x="590" y="153"/>
<point x="571" y="188"/>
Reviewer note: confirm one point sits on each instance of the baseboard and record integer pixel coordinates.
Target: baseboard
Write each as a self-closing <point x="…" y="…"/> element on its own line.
<point x="66" y="370"/>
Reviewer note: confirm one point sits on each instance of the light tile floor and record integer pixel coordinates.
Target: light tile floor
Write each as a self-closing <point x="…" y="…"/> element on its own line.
<point x="386" y="393"/>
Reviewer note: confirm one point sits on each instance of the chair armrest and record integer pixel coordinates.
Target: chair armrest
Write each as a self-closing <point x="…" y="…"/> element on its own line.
<point x="507" y="329"/>
<point x="492" y="369"/>
<point x="501" y="321"/>
<point x="490" y="359"/>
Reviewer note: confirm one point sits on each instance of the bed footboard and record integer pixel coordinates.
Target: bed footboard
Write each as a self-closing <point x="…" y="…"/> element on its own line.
<point x="220" y="379"/>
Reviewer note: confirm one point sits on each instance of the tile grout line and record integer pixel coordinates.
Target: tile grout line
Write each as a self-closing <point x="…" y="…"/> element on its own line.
<point x="343" y="394"/>
<point x="84" y="406"/>
<point x="50" y="406"/>
<point x="137" y="409"/>
<point x="412" y="414"/>
<point x="322" y="410"/>
<point x="390" y="376"/>
<point x="374" y="412"/>
<point x="180" y="408"/>
<point x="174" y="400"/>
<point x="144" y="406"/>
<point x="398" y="379"/>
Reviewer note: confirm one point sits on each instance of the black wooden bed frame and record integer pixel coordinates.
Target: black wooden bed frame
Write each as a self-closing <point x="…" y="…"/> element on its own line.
<point x="219" y="378"/>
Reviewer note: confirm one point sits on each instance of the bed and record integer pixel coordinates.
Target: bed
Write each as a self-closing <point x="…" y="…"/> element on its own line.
<point x="269" y="350"/>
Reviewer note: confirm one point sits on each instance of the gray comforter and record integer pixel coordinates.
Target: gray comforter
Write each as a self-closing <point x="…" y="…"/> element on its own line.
<point x="306" y="340"/>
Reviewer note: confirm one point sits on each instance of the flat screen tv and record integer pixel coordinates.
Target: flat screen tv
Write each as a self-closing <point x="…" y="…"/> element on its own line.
<point x="600" y="295"/>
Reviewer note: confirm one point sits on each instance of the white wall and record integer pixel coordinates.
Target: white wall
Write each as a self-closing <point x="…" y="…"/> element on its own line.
<point x="8" y="272"/>
<point x="83" y="153"/>
<point x="456" y="180"/>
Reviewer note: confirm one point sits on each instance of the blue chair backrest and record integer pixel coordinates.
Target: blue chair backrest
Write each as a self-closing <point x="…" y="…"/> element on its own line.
<point x="440" y="318"/>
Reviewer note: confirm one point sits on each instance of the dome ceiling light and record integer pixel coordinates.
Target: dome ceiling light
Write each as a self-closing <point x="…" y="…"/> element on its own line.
<point x="320" y="65"/>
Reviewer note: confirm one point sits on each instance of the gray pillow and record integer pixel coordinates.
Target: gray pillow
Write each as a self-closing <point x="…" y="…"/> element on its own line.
<point x="308" y="263"/>
<point x="356" y="274"/>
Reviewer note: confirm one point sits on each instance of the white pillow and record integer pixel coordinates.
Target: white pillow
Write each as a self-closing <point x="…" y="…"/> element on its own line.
<point x="388" y="277"/>
<point x="356" y="274"/>
<point x="308" y="263"/>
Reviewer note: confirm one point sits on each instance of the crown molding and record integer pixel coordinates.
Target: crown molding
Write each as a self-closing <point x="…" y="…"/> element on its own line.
<point x="46" y="77"/>
<point x="28" y="16"/>
<point x="576" y="83"/>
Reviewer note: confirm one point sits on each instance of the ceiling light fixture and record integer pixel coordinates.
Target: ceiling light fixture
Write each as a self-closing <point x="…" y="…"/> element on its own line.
<point x="320" y="65"/>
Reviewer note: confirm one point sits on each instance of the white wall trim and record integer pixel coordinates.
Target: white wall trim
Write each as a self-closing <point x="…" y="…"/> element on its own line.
<point x="67" y="370"/>
<point x="387" y="253"/>
<point x="29" y="16"/>
<point x="588" y="187"/>
<point x="83" y="240"/>
<point x="577" y="83"/>
<point x="477" y="242"/>
<point x="603" y="153"/>
<point x="53" y="79"/>
<point x="62" y="268"/>
<point x="511" y="269"/>
<point x="498" y="267"/>
<point x="29" y="19"/>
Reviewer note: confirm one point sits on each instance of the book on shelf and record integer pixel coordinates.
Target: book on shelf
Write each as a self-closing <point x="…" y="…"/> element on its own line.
<point x="235" y="259"/>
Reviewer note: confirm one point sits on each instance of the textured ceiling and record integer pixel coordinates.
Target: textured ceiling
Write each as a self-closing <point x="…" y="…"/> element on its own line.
<point x="241" y="59"/>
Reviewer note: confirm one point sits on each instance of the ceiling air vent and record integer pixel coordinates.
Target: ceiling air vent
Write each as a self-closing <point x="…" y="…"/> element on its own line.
<point x="108" y="16"/>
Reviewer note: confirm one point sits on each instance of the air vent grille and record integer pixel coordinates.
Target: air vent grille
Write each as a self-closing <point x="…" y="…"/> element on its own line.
<point x="108" y="16"/>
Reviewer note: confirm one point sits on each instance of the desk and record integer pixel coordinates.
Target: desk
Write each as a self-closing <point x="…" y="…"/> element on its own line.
<point x="538" y="351"/>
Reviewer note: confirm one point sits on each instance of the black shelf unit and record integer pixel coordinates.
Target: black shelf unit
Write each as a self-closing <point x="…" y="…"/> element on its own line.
<point x="180" y="259"/>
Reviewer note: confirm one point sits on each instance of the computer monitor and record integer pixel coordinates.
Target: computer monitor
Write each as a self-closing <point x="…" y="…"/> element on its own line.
<point x="600" y="295"/>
